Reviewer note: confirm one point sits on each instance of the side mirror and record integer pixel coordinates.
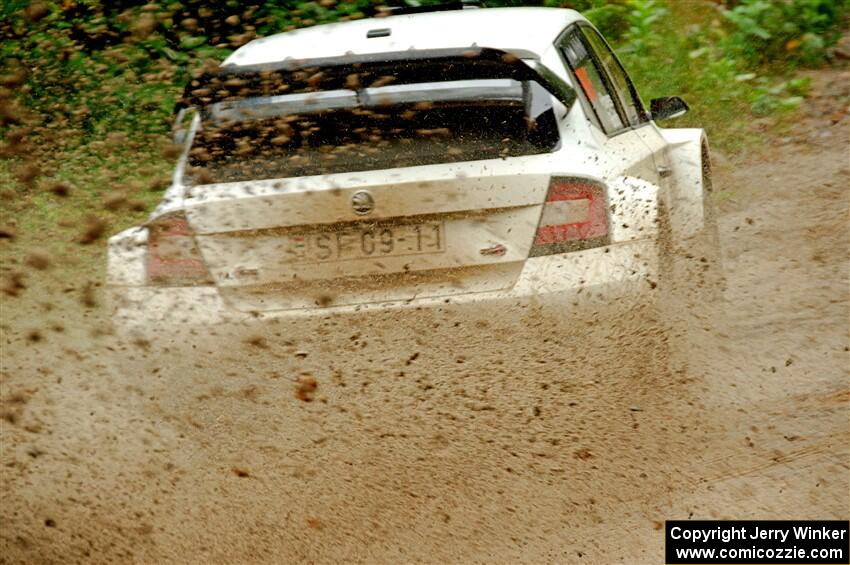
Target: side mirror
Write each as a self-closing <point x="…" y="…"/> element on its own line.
<point x="667" y="107"/>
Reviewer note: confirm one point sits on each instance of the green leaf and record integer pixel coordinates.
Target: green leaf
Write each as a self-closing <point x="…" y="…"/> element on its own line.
<point x="791" y="101"/>
<point x="190" y="42"/>
<point x="745" y="76"/>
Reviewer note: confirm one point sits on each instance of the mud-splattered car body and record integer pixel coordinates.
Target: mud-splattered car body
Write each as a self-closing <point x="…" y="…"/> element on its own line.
<point x="567" y="206"/>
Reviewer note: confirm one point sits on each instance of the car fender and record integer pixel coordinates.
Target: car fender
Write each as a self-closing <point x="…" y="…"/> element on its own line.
<point x="688" y="157"/>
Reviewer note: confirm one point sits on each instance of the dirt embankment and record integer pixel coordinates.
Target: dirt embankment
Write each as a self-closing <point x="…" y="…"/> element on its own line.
<point x="422" y="451"/>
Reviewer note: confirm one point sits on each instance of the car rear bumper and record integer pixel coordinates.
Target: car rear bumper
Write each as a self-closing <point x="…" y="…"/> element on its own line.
<point x="623" y="274"/>
<point x="569" y="291"/>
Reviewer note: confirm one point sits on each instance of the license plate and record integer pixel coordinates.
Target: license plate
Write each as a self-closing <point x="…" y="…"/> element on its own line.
<point x="366" y="242"/>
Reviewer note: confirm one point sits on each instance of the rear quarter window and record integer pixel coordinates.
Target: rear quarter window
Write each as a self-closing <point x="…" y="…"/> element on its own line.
<point x="590" y="76"/>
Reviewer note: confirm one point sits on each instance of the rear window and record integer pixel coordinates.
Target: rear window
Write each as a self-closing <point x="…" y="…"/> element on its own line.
<point x="381" y="127"/>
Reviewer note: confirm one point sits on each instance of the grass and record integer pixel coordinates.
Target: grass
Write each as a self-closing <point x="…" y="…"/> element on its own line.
<point x="677" y="48"/>
<point x="113" y="185"/>
<point x="724" y="109"/>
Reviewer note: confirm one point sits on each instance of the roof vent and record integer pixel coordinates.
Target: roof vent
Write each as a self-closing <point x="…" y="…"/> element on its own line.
<point x="382" y="32"/>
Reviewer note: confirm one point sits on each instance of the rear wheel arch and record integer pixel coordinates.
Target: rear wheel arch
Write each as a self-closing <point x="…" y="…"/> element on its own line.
<point x="689" y="207"/>
<point x="689" y="242"/>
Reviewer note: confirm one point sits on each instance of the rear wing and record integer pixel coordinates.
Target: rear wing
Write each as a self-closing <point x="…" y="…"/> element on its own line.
<point x="428" y="92"/>
<point x="359" y="72"/>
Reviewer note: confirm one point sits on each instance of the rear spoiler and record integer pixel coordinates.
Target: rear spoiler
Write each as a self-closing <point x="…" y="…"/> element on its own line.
<point x="356" y="72"/>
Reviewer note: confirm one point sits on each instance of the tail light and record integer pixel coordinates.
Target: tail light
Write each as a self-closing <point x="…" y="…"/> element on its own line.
<point x="173" y="258"/>
<point x="575" y="216"/>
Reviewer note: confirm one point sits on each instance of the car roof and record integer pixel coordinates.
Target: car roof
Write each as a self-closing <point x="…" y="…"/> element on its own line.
<point x="520" y="30"/>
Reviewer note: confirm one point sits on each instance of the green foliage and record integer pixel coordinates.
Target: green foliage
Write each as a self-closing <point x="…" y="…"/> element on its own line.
<point x="770" y="98"/>
<point x="765" y="31"/>
<point x="723" y="76"/>
<point x="609" y="18"/>
<point x="643" y="20"/>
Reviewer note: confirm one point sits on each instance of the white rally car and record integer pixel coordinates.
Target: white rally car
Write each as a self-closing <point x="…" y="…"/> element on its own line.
<point x="467" y="156"/>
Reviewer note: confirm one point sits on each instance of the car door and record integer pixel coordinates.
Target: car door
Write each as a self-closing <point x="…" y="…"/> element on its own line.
<point x="633" y="110"/>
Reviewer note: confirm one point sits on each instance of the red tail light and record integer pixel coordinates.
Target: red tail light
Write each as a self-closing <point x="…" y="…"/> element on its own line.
<point x="575" y="216"/>
<point x="173" y="258"/>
